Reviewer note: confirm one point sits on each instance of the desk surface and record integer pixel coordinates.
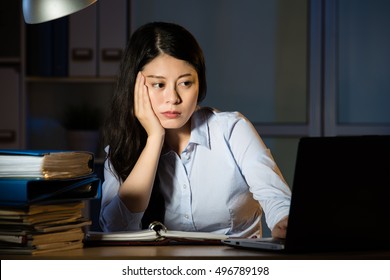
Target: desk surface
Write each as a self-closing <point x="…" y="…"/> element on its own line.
<point x="192" y="252"/>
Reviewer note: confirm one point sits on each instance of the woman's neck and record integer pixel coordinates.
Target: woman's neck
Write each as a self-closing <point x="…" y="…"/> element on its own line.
<point x="177" y="139"/>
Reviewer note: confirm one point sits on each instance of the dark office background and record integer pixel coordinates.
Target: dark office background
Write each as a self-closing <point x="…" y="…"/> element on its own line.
<point x="293" y="67"/>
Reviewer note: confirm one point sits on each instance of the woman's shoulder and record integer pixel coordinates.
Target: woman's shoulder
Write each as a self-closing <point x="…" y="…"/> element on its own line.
<point x="226" y="121"/>
<point x="212" y="112"/>
<point x="215" y="115"/>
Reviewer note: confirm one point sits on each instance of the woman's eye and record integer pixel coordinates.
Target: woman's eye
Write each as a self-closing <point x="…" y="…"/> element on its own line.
<point x="158" y="85"/>
<point x="186" y="83"/>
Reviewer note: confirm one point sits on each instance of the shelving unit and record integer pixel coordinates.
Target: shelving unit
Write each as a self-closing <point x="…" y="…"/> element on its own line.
<point x="12" y="102"/>
<point x="33" y="106"/>
<point x="48" y="101"/>
<point x="70" y="80"/>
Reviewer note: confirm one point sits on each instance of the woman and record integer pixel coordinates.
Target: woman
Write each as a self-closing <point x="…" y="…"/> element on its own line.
<point x="168" y="159"/>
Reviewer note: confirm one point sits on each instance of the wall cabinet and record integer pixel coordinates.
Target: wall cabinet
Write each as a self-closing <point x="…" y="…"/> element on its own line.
<point x="97" y="36"/>
<point x="10" y="108"/>
<point x="59" y="64"/>
<point x="11" y="77"/>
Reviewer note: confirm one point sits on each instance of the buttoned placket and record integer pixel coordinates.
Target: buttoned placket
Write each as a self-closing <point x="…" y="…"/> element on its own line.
<point x="186" y="186"/>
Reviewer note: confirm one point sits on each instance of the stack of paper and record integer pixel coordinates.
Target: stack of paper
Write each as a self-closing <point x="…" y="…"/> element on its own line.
<point x="42" y="228"/>
<point x="45" y="164"/>
<point x="42" y="200"/>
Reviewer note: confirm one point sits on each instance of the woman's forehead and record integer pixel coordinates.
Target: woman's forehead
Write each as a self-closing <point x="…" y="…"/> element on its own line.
<point x="164" y="66"/>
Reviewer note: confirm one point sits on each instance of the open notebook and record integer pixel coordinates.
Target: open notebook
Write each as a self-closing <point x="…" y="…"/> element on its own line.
<point x="340" y="197"/>
<point x="157" y="234"/>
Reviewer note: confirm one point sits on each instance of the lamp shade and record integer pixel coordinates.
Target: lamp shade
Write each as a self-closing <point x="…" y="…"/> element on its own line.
<point x="37" y="11"/>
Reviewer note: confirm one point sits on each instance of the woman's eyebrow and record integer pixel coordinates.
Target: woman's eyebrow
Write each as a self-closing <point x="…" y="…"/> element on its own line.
<point x="162" y="77"/>
<point x="185" y="75"/>
<point x="155" y="76"/>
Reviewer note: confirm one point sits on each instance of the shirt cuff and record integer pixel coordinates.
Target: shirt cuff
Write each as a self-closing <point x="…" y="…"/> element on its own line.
<point x="116" y="217"/>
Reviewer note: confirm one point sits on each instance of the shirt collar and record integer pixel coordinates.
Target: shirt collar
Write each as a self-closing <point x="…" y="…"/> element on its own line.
<point x="199" y="128"/>
<point x="200" y="134"/>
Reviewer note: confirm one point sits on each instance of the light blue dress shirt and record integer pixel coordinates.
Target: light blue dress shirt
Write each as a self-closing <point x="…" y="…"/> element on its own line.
<point x="221" y="182"/>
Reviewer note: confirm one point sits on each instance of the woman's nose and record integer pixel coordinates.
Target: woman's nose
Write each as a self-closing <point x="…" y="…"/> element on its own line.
<point x="172" y="96"/>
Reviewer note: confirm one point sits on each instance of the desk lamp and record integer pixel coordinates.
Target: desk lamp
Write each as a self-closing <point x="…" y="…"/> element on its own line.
<point x="37" y="11"/>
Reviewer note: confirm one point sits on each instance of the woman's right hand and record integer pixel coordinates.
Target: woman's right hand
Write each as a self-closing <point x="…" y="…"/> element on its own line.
<point x="143" y="108"/>
<point x="136" y="190"/>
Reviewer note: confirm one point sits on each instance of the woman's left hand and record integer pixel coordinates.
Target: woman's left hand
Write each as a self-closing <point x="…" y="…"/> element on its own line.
<point x="279" y="230"/>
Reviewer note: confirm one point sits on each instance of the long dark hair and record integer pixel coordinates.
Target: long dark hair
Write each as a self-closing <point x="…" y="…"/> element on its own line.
<point x="123" y="133"/>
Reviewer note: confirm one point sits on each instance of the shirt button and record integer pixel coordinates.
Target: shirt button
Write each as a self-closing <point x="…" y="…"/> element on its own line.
<point x="186" y="216"/>
<point x="184" y="186"/>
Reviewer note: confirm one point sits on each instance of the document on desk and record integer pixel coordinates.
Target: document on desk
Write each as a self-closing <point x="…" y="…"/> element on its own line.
<point x="157" y="234"/>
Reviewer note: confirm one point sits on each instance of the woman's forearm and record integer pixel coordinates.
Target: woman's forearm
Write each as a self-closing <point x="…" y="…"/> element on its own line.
<point x="136" y="189"/>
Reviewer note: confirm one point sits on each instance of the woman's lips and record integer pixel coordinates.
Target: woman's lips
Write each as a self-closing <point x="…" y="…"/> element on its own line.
<point x="171" y="114"/>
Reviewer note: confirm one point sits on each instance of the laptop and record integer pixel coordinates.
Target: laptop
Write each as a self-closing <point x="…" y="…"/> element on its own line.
<point x="340" y="197"/>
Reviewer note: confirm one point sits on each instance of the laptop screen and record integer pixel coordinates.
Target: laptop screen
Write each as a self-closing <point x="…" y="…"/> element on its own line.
<point x="341" y="194"/>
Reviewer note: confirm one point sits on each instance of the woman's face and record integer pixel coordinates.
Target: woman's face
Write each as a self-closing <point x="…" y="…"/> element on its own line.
<point x="173" y="90"/>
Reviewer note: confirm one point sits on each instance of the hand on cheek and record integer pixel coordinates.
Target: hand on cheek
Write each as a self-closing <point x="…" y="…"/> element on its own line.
<point x="143" y="108"/>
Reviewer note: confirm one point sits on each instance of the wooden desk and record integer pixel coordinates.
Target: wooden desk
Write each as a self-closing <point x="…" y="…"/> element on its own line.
<point x="192" y="252"/>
